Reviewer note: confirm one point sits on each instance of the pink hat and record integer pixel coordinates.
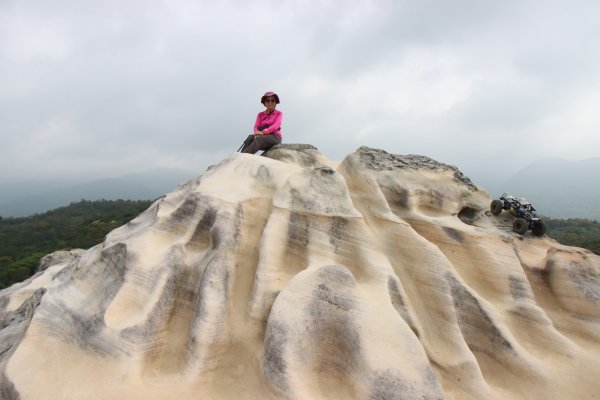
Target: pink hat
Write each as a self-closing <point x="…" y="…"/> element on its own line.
<point x="269" y="94"/>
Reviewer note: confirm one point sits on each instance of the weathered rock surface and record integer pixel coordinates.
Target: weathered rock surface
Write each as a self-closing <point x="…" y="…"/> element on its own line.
<point x="292" y="277"/>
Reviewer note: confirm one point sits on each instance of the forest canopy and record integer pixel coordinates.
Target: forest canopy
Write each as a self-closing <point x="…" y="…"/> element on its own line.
<point x="575" y="232"/>
<point x="83" y="224"/>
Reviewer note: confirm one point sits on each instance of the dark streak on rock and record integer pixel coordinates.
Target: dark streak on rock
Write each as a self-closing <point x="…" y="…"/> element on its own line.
<point x="542" y="276"/>
<point x="586" y="279"/>
<point x="336" y="232"/>
<point x="298" y="230"/>
<point x="173" y="287"/>
<point x="332" y="329"/>
<point x="3" y="303"/>
<point x="337" y="274"/>
<point x="518" y="288"/>
<point x="185" y="211"/>
<point x="431" y="382"/>
<point x="7" y="389"/>
<point x="399" y="305"/>
<point x="396" y="196"/>
<point x="325" y="294"/>
<point x="115" y="258"/>
<point x="274" y="357"/>
<point x="201" y="233"/>
<point x="385" y="385"/>
<point x="436" y="198"/>
<point x="475" y="323"/>
<point x="237" y="223"/>
<point x="216" y="271"/>
<point x="215" y="284"/>
<point x="207" y="221"/>
<point x="454" y="234"/>
<point x="216" y="236"/>
<point x="395" y="295"/>
<point x="263" y="175"/>
<point x="298" y="201"/>
<point x="88" y="330"/>
<point x="14" y="324"/>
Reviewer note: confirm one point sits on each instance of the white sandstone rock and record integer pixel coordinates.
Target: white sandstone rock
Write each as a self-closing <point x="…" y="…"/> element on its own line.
<point x="290" y="276"/>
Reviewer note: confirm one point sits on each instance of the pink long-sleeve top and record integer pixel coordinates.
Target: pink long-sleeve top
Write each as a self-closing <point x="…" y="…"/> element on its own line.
<point x="270" y="123"/>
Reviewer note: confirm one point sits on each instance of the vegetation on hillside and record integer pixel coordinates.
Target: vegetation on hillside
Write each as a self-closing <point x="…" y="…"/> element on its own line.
<point x="23" y="241"/>
<point x="575" y="232"/>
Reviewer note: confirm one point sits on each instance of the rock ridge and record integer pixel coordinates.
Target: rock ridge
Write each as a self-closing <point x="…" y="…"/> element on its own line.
<point x="382" y="160"/>
<point x="290" y="276"/>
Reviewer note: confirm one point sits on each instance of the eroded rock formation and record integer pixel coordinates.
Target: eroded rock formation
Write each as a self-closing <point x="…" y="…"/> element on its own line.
<point x="292" y="277"/>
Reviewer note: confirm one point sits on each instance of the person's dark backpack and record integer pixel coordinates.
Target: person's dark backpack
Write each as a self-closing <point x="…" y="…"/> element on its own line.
<point x="246" y="143"/>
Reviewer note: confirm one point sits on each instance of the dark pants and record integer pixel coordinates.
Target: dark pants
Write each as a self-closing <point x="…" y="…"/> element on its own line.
<point x="262" y="142"/>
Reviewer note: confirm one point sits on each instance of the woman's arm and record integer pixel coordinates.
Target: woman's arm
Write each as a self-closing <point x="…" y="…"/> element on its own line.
<point x="257" y="123"/>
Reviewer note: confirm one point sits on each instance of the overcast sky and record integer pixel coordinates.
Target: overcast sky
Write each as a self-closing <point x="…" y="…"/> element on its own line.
<point x="101" y="88"/>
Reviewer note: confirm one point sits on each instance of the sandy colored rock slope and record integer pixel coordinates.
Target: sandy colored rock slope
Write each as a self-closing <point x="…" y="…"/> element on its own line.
<point x="292" y="277"/>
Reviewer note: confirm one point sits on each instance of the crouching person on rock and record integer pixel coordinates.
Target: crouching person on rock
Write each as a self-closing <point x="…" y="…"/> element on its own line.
<point x="267" y="128"/>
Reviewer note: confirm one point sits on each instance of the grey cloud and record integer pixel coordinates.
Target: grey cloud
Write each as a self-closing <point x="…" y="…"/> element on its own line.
<point x="123" y="86"/>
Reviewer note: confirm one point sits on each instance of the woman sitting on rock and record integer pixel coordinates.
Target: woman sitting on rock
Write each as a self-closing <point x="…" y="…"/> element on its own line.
<point x="267" y="128"/>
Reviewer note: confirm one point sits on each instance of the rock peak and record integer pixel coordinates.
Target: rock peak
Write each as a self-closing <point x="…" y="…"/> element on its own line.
<point x="290" y="276"/>
<point x="382" y="160"/>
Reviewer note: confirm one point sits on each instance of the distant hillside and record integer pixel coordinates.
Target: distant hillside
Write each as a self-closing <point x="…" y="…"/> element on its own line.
<point x="27" y="198"/>
<point x="559" y="188"/>
<point x="575" y="232"/>
<point x="23" y="241"/>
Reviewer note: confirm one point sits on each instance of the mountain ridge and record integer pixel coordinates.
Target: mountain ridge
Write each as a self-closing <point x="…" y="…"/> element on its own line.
<point x="147" y="185"/>
<point x="559" y="188"/>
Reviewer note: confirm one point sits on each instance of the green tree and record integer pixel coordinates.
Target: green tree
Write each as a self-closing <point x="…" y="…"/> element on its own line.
<point x="83" y="224"/>
<point x="575" y="232"/>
